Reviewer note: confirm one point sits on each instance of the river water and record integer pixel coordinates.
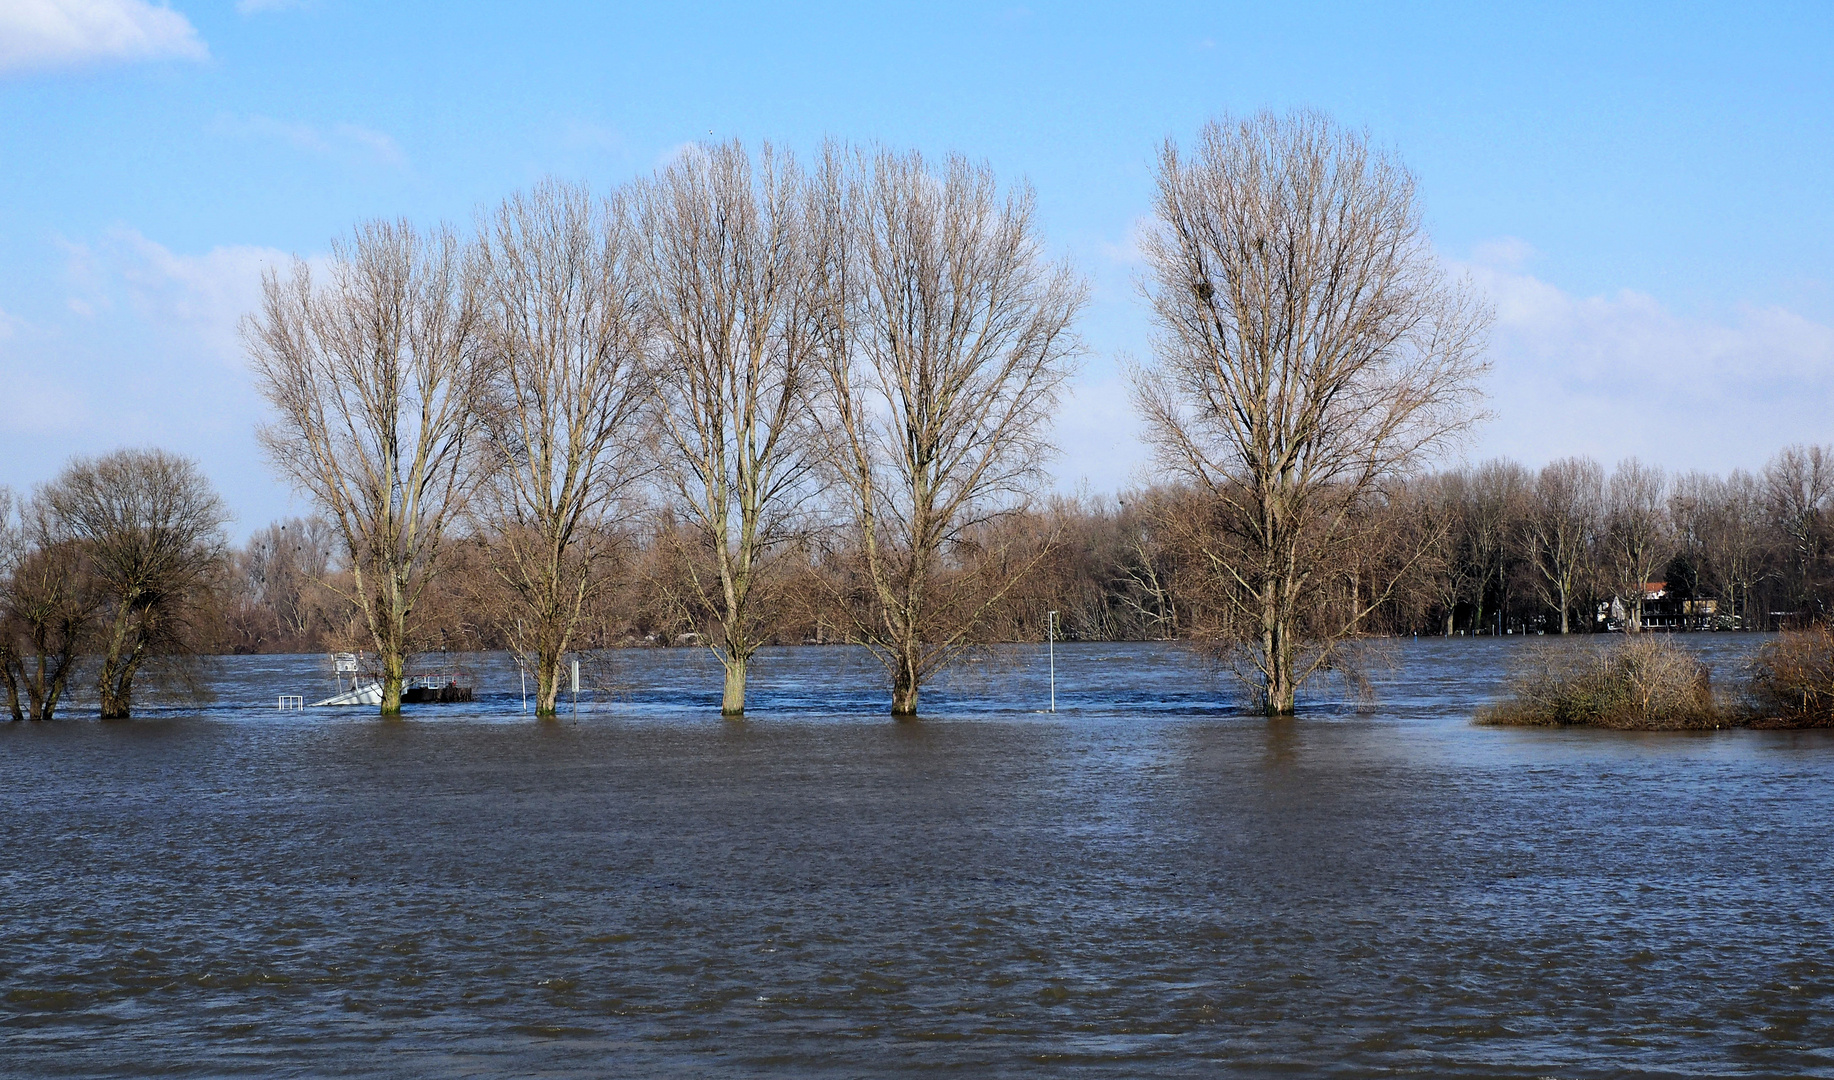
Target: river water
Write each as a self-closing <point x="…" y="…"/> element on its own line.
<point x="1146" y="883"/>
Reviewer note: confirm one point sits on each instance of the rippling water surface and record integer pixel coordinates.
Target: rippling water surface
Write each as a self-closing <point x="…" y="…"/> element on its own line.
<point x="1145" y="883"/>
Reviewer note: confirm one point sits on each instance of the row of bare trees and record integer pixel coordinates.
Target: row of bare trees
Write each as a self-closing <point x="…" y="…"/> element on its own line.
<point x="1572" y="547"/>
<point x="850" y="364"/>
<point x="747" y="400"/>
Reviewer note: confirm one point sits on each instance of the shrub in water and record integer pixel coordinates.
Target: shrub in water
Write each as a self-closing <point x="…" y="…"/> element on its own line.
<point x="1643" y="682"/>
<point x="1792" y="680"/>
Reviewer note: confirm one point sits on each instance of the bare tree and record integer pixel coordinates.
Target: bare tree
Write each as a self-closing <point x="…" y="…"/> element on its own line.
<point x="1733" y="538"/>
<point x="1496" y="493"/>
<point x="281" y="571"/>
<point x="1637" y="538"/>
<point x="149" y="527"/>
<point x="378" y="378"/>
<point x="949" y="343"/>
<point x="1444" y="564"/>
<point x="569" y="421"/>
<point x="733" y="288"/>
<point x="48" y="606"/>
<point x="1310" y="353"/>
<point x="1799" y="486"/>
<point x="1563" y="521"/>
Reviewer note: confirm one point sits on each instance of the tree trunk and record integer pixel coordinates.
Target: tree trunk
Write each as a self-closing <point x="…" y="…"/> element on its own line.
<point x="1276" y="645"/>
<point x="394" y="665"/>
<point x="115" y="704"/>
<point x="904" y="688"/>
<point x="12" y="686"/>
<point x="114" y="682"/>
<point x="732" y="700"/>
<point x="547" y="682"/>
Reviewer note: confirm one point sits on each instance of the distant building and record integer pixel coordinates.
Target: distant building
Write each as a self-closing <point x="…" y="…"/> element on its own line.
<point x="1663" y="611"/>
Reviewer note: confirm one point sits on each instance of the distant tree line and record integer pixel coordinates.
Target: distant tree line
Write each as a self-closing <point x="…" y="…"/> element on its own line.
<point x="747" y="401"/>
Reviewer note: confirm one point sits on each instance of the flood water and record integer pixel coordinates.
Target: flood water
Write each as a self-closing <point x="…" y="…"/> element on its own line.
<point x="1145" y="883"/>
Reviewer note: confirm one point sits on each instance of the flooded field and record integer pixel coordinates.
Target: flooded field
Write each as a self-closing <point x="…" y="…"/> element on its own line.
<point x="1146" y="883"/>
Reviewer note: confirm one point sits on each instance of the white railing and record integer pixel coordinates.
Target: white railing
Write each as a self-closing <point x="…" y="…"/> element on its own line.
<point x="292" y="701"/>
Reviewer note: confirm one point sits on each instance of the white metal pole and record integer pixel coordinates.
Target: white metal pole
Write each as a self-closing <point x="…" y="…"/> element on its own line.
<point x="524" y="672"/>
<point x="1050" y="637"/>
<point x="576" y="686"/>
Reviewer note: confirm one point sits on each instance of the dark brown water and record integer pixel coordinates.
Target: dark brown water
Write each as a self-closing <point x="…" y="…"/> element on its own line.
<point x="1143" y="884"/>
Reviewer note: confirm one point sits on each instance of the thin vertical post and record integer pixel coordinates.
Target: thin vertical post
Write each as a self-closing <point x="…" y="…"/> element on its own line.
<point x="1050" y="637"/>
<point x="576" y="688"/>
<point x="524" y="672"/>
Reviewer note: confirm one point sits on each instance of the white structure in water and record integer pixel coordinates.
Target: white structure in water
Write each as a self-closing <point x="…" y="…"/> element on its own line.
<point x="364" y="689"/>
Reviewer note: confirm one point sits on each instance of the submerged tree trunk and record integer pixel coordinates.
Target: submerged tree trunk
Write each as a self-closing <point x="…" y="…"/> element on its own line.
<point x="548" y="663"/>
<point x="904" y="687"/>
<point x="394" y="665"/>
<point x="732" y="699"/>
<point x="1280" y="685"/>
<point x="12" y="684"/>
<point x="120" y="658"/>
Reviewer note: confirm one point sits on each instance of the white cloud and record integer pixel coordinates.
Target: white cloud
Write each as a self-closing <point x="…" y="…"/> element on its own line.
<point x="350" y="142"/>
<point x="1505" y="252"/>
<point x="156" y="361"/>
<point x="40" y="34"/>
<point x="198" y="300"/>
<point x="1613" y="376"/>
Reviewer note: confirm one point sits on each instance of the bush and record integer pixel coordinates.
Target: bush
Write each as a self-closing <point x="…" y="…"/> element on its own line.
<point x="1645" y="682"/>
<point x="1792" y="680"/>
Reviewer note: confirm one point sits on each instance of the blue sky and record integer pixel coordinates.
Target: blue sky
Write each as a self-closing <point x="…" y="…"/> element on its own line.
<point x="1643" y="192"/>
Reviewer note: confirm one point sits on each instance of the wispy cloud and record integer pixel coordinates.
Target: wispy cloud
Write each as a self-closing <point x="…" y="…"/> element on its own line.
<point x="1624" y="374"/>
<point x="1129" y="250"/>
<point x="37" y="35"/>
<point x="195" y="299"/>
<point x="348" y="142"/>
<point x="672" y="154"/>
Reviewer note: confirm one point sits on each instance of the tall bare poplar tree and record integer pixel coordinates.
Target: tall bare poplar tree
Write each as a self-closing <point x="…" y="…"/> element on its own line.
<point x="1310" y="352"/>
<point x="569" y="423"/>
<point x="1564" y="514"/>
<point x="949" y="342"/>
<point x="733" y="288"/>
<point x="377" y="377"/>
<point x="1799" y="486"/>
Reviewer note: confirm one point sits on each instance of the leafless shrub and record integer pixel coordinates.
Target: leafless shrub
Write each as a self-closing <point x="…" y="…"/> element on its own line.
<point x="1644" y="682"/>
<point x="1792" y="680"/>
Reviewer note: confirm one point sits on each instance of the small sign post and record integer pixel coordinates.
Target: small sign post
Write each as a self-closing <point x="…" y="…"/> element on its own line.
<point x="1050" y="637"/>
